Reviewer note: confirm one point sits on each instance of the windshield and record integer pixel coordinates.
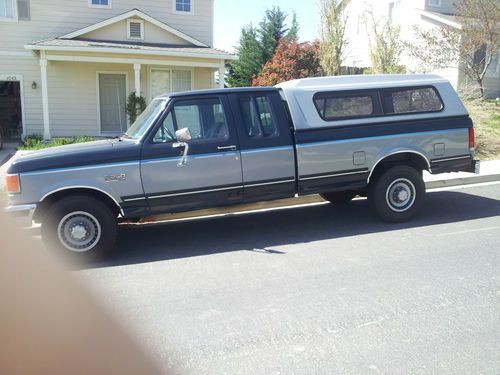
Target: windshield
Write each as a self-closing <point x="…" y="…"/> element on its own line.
<point x="145" y="119"/>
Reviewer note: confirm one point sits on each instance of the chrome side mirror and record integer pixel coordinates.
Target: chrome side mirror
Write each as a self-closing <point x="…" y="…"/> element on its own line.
<point x="183" y="136"/>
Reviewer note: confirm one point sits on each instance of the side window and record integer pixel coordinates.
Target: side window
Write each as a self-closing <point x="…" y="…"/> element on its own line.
<point x="335" y="107"/>
<point x="258" y="116"/>
<point x="423" y="99"/>
<point x="204" y="118"/>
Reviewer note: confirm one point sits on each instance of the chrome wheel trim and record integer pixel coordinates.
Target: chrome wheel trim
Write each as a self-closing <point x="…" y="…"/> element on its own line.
<point x="79" y="231"/>
<point x="400" y="195"/>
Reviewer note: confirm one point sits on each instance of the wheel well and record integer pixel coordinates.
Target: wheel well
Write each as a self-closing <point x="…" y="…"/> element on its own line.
<point x="417" y="161"/>
<point x="48" y="201"/>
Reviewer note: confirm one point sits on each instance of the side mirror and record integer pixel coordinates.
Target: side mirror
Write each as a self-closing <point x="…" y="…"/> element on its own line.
<point x="183" y="135"/>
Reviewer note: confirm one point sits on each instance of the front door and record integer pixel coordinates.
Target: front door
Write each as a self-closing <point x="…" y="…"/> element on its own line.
<point x="112" y="102"/>
<point x="211" y="175"/>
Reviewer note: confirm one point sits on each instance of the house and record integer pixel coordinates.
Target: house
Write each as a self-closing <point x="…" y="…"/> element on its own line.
<point x="67" y="67"/>
<point x="407" y="14"/>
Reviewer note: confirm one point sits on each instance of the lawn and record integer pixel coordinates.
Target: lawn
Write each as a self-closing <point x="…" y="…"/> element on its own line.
<point x="486" y="117"/>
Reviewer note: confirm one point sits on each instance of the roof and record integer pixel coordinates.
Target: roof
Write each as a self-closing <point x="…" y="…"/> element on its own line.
<point x="361" y="81"/>
<point x="126" y="47"/>
<point x="447" y="19"/>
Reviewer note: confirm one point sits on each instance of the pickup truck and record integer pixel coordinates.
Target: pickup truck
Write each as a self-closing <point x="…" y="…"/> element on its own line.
<point x="334" y="136"/>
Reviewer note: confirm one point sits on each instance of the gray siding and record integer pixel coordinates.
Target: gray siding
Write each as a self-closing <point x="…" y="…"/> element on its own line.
<point x="50" y="18"/>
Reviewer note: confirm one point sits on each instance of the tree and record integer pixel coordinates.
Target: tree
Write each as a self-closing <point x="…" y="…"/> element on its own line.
<point x="272" y="29"/>
<point x="333" y="44"/>
<point x="293" y="32"/>
<point x="257" y="46"/>
<point x="386" y="47"/>
<point x="471" y="44"/>
<point x="249" y="63"/>
<point x="292" y="60"/>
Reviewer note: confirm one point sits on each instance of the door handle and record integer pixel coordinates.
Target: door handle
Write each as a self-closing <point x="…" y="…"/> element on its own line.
<point x="227" y="148"/>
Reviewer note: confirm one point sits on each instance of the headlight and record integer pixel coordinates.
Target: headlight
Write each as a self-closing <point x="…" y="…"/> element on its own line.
<point x="13" y="184"/>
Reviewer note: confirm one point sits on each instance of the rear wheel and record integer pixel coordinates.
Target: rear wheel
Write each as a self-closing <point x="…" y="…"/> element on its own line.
<point x="397" y="195"/>
<point x="339" y="197"/>
<point x="80" y="227"/>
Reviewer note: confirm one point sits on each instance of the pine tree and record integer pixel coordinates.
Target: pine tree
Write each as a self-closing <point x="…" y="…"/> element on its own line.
<point x="249" y="64"/>
<point x="272" y="29"/>
<point x="293" y="33"/>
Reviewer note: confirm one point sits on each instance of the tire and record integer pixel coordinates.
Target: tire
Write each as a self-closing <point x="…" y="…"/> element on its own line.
<point x="79" y="227"/>
<point x="397" y="195"/>
<point x="339" y="197"/>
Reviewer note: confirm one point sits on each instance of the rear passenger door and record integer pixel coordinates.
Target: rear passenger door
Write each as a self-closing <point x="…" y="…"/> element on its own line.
<point x="267" y="152"/>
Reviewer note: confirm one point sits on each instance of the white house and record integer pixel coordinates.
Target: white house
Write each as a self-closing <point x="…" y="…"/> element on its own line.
<point x="407" y="14"/>
<point x="67" y="67"/>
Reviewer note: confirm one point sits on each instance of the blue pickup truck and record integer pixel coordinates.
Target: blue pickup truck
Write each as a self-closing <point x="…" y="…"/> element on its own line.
<point x="334" y="136"/>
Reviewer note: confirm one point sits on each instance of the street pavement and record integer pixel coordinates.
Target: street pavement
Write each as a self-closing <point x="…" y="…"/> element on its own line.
<point x="315" y="289"/>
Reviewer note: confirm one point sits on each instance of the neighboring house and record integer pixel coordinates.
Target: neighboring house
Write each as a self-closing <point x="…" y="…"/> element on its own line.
<point x="407" y="14"/>
<point x="67" y="67"/>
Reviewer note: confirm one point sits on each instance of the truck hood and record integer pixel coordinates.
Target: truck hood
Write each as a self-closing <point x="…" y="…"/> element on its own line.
<point x="76" y="155"/>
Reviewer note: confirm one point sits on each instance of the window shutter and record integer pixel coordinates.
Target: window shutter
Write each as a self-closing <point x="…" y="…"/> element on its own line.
<point x="23" y="9"/>
<point x="135" y="30"/>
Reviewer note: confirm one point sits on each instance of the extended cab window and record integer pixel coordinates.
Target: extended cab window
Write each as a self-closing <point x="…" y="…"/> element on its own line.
<point x="204" y="118"/>
<point x="335" y="106"/>
<point x="258" y="116"/>
<point x="423" y="99"/>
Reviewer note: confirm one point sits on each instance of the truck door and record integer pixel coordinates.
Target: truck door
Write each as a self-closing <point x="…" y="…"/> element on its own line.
<point x="267" y="152"/>
<point x="211" y="175"/>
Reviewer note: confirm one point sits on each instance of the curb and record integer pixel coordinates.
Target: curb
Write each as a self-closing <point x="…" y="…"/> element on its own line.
<point x="462" y="181"/>
<point x="292" y="202"/>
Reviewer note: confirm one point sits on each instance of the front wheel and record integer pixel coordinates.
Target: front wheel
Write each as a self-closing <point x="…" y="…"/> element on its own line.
<point x="80" y="227"/>
<point x="397" y="195"/>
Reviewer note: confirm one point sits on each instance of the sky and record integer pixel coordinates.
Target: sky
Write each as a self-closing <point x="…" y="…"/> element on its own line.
<point x="232" y="15"/>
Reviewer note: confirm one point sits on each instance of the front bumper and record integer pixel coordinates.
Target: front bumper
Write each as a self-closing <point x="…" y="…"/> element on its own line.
<point x="24" y="211"/>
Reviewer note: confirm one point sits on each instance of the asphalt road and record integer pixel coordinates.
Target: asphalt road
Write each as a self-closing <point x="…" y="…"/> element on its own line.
<point x="315" y="290"/>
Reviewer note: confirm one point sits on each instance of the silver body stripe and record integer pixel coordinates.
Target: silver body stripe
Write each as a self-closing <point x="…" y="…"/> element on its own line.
<point x="451" y="159"/>
<point x="333" y="175"/>
<point x="195" y="192"/>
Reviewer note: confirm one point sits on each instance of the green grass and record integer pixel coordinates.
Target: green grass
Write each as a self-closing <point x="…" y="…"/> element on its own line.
<point x="486" y="117"/>
<point x="36" y="142"/>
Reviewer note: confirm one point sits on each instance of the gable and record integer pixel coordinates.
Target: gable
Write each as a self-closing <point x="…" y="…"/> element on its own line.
<point x="142" y="17"/>
<point x="118" y="32"/>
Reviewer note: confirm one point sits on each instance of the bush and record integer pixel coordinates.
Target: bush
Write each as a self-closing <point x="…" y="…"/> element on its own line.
<point x="36" y="142"/>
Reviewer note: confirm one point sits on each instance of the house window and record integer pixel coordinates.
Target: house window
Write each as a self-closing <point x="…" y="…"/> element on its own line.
<point x="166" y="81"/>
<point x="494" y="68"/>
<point x="100" y="4"/>
<point x="435" y="3"/>
<point x="183" y="6"/>
<point x="7" y="10"/>
<point x="393" y="8"/>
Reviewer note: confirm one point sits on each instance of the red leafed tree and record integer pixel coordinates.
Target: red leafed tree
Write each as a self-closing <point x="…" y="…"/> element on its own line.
<point x="292" y="60"/>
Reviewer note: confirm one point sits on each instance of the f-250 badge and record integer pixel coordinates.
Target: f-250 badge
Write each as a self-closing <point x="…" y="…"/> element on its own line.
<point x="115" y="177"/>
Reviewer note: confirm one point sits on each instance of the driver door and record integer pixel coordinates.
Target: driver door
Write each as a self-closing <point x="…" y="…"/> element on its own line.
<point x="212" y="173"/>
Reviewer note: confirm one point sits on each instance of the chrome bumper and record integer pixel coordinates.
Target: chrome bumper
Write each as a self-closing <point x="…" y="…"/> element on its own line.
<point x="24" y="211"/>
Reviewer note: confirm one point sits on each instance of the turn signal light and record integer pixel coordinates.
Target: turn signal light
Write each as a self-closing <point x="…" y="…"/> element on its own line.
<point x="13" y="184"/>
<point x="472" y="139"/>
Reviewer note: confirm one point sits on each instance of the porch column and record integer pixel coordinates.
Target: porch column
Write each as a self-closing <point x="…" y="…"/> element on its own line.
<point x="137" y="76"/>
<point x="222" y="72"/>
<point x="45" y="97"/>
